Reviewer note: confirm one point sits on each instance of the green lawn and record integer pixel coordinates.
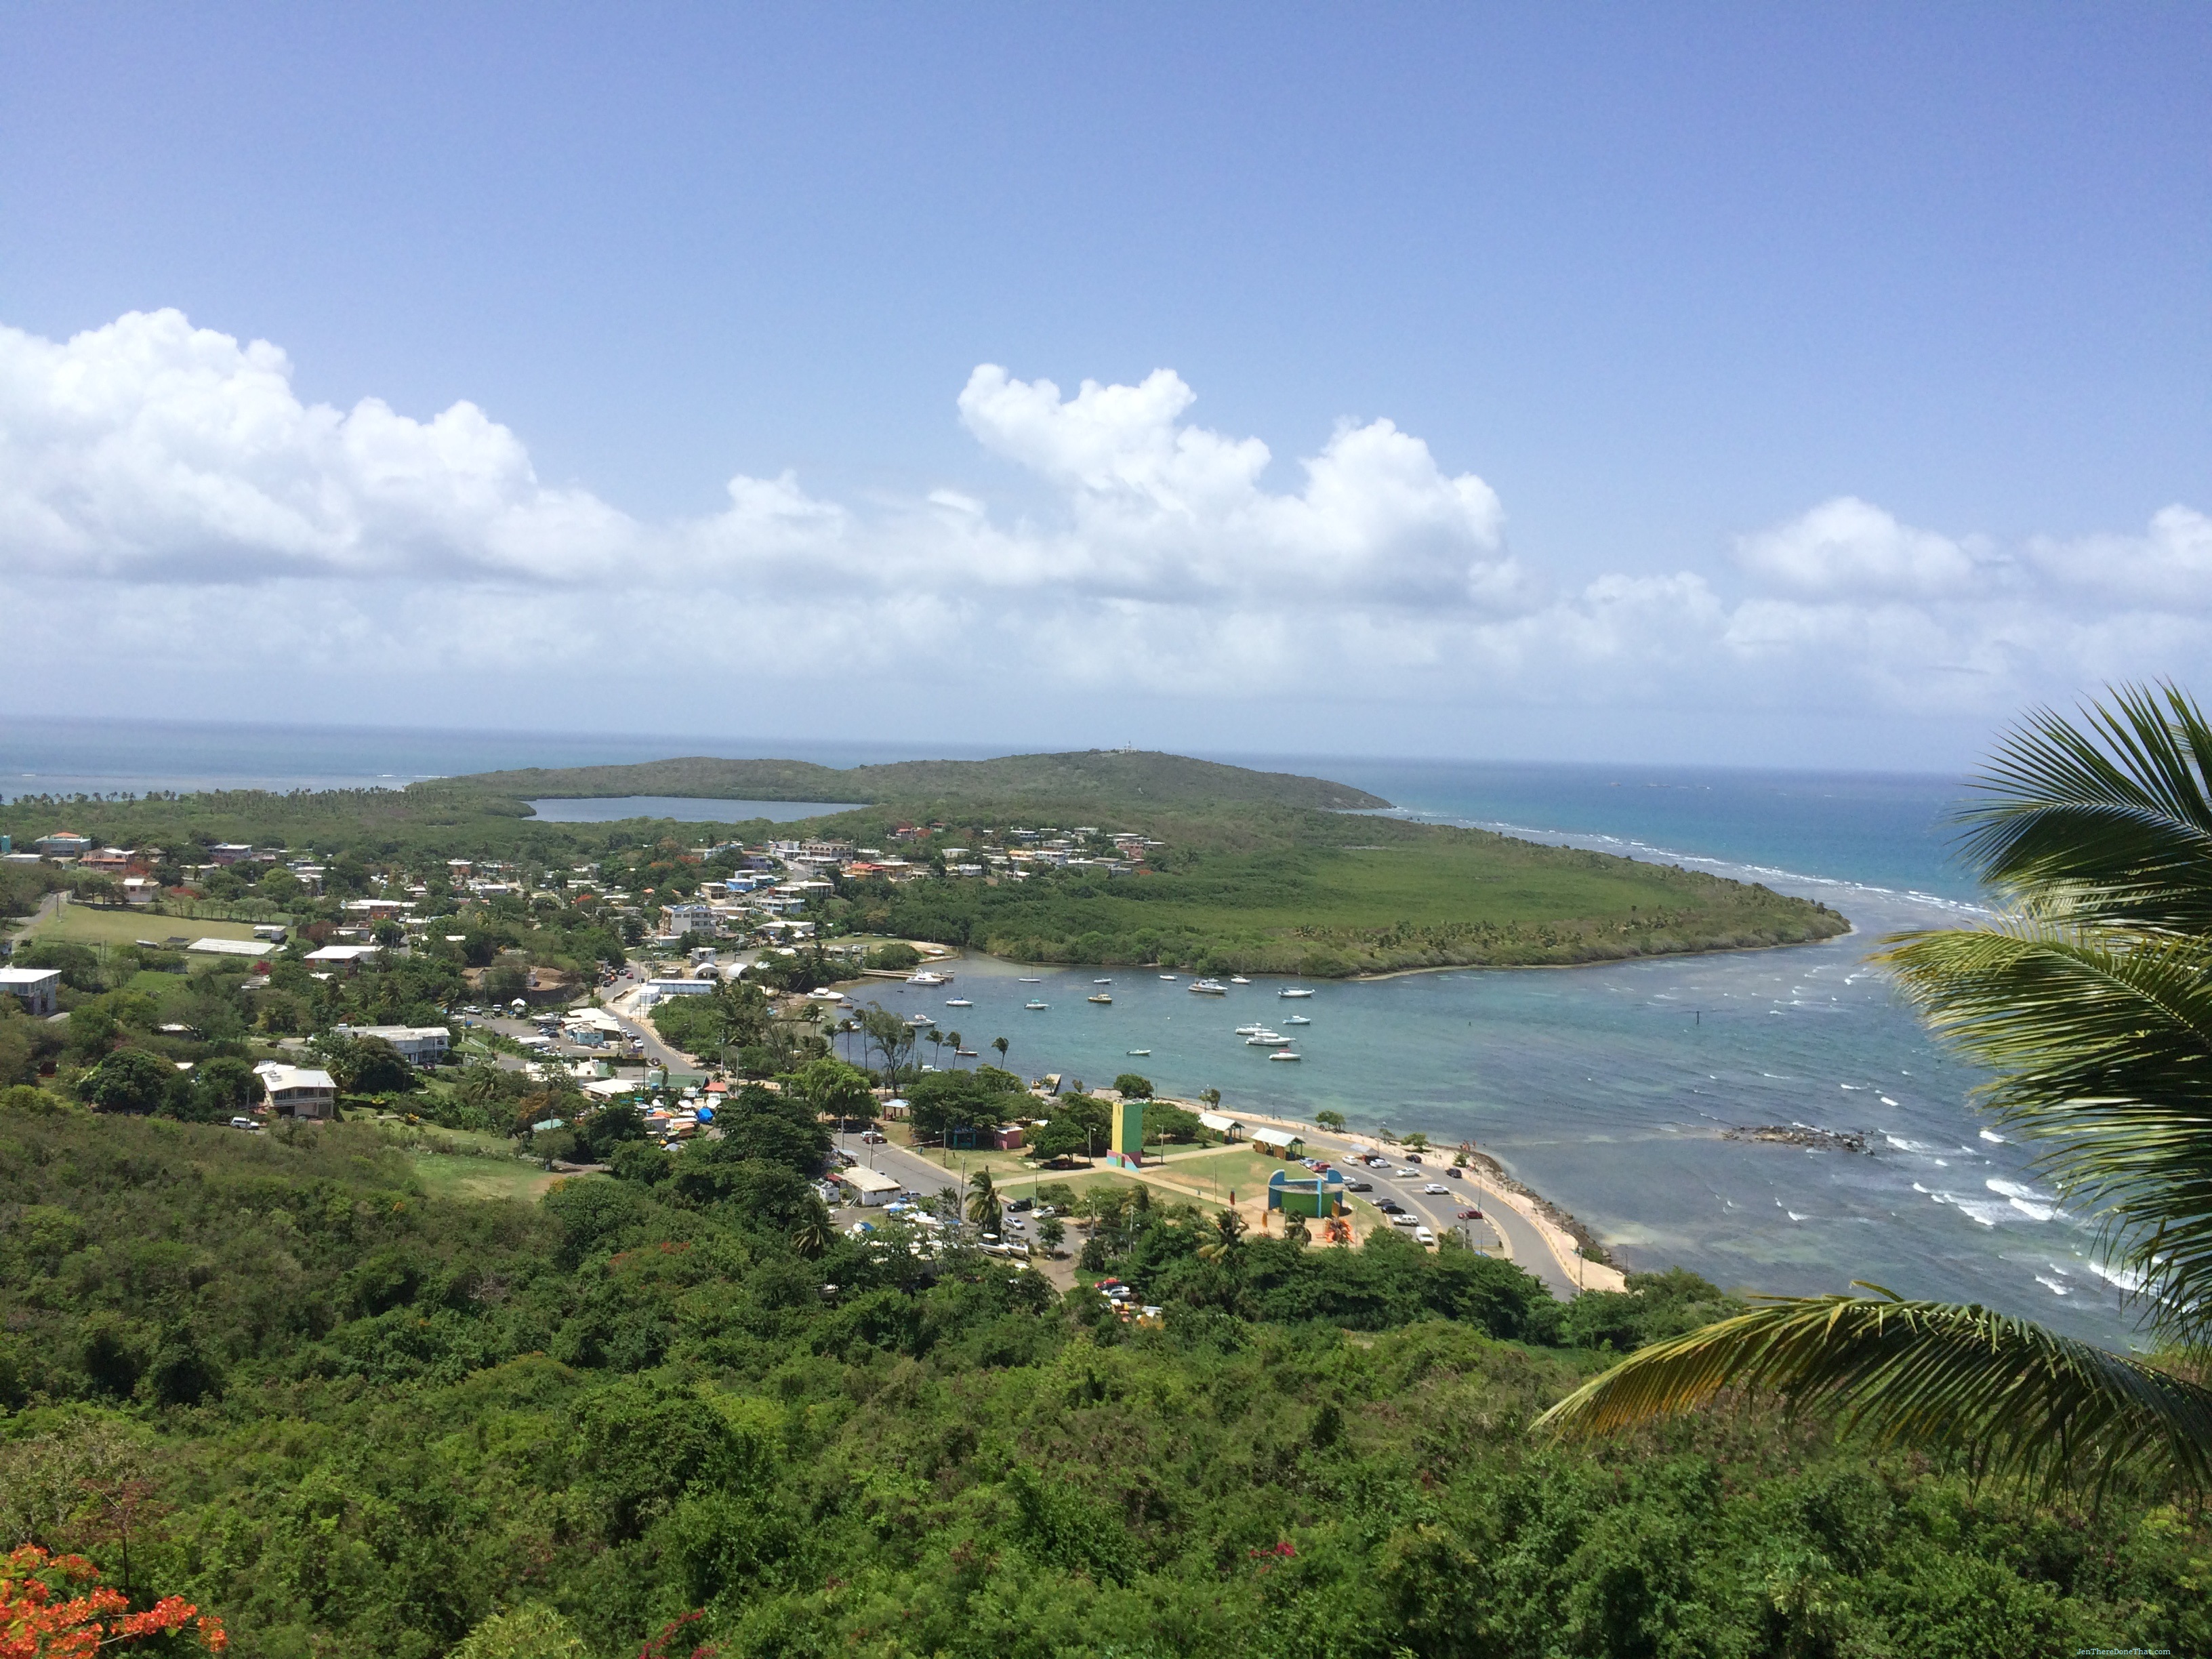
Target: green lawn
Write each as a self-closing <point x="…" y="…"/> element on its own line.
<point x="467" y="1175"/>
<point x="85" y="925"/>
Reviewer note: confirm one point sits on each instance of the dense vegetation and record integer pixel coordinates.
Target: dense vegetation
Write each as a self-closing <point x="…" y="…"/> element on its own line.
<point x="1096" y="775"/>
<point x="275" y="1376"/>
<point x="1275" y="890"/>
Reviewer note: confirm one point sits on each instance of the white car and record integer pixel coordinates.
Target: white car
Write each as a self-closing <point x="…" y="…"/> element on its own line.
<point x="1402" y="1219"/>
<point x="1437" y="1187"/>
<point x="1405" y="1174"/>
<point x="1422" y="1235"/>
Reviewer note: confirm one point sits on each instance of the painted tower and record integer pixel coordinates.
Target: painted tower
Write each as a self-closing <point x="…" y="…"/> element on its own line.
<point x="1129" y="1143"/>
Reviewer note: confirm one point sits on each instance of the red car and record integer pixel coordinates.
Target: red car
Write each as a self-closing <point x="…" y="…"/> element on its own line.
<point x="1470" y="1215"/>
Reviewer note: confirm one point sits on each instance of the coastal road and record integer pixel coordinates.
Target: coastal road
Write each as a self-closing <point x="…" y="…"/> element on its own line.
<point x="1527" y="1247"/>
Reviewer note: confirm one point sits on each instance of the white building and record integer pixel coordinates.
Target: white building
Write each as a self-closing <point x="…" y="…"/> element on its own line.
<point x="298" y="1091"/>
<point x="677" y="920"/>
<point x="418" y="1045"/>
<point x="37" y="989"/>
<point x="1228" y="1128"/>
<point x="864" y="1185"/>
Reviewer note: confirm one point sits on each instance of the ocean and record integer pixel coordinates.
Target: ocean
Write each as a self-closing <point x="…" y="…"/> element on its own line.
<point x="1606" y="1088"/>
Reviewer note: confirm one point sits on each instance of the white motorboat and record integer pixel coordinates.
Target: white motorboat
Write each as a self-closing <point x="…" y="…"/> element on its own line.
<point x="1238" y="979"/>
<point x="1282" y="1054"/>
<point x="1100" y="996"/>
<point x="1028" y="980"/>
<point x="920" y="1019"/>
<point x="958" y="1002"/>
<point x="1250" y="1031"/>
<point x="1209" y="987"/>
<point x="1297" y="1019"/>
<point x="1141" y="1054"/>
<point x="929" y="977"/>
<point x="1171" y="978"/>
<point x="965" y="1053"/>
<point x="1033" y="1003"/>
<point x="1266" y="1039"/>
<point x="1294" y="991"/>
<point x="1101" y="982"/>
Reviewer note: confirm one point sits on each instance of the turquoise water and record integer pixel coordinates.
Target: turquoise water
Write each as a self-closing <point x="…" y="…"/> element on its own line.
<point x="1603" y="1088"/>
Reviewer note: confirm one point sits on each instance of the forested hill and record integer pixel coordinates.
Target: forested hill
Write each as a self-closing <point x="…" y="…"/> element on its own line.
<point x="1103" y="774"/>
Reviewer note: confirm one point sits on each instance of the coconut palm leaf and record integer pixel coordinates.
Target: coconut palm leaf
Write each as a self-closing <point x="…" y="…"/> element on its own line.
<point x="2113" y="815"/>
<point x="2101" y="1052"/>
<point x="2003" y="1396"/>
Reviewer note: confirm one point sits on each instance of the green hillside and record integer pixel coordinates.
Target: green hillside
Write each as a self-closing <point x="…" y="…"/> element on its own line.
<point x="1103" y="774"/>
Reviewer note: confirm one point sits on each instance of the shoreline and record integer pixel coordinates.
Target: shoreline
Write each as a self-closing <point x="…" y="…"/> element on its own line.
<point x="1849" y="931"/>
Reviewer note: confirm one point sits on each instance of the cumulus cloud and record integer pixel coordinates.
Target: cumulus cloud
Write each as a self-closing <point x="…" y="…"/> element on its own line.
<point x="1848" y="546"/>
<point x="168" y="484"/>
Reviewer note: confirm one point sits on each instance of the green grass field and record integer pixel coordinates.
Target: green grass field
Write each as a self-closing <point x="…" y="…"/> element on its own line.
<point x="85" y="925"/>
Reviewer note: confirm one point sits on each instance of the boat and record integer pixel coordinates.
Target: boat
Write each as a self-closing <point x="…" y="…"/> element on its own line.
<point x="1098" y="996"/>
<point x="1294" y="991"/>
<point x="1297" y="1019"/>
<point x="1282" y="1054"/>
<point x="1266" y="1039"/>
<point x="1250" y="1031"/>
<point x="920" y="1019"/>
<point x="965" y="1054"/>
<point x="958" y="1002"/>
<point x="1101" y="982"/>
<point x="929" y="977"/>
<point x="1209" y="987"/>
<point x="1034" y="1003"/>
<point x="1238" y="979"/>
<point x="1026" y="979"/>
<point x="1141" y="1054"/>
<point x="1171" y="978"/>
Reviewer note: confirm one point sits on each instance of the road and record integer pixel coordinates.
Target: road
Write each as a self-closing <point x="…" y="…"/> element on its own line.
<point x="47" y="906"/>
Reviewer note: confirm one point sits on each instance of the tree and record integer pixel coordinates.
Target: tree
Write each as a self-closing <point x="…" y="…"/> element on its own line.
<point x="1228" y="1228"/>
<point x="55" y="1607"/>
<point x="1130" y="1087"/>
<point x="833" y="1089"/>
<point x="1329" y="1119"/>
<point x="1416" y="1142"/>
<point x="953" y="1038"/>
<point x="999" y="1043"/>
<point x="1052" y="1232"/>
<point x="2090" y="1000"/>
<point x="131" y="1080"/>
<point x="889" y="1036"/>
<point x="813" y="1236"/>
<point x="983" y="1206"/>
<point x="223" y="1087"/>
<point x="1211" y="1098"/>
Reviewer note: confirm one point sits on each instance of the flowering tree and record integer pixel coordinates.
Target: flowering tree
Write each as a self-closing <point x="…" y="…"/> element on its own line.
<point x="54" y="1606"/>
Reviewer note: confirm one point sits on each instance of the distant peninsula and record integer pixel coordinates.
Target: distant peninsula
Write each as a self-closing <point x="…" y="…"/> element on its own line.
<point x="1137" y="776"/>
<point x="1110" y="857"/>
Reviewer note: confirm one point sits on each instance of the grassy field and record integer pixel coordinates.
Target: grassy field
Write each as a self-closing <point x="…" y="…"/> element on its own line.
<point x="86" y="926"/>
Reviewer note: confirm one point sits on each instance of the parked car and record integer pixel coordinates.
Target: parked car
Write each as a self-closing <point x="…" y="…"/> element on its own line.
<point x="1359" y="1185"/>
<point x="1470" y="1215"/>
<point x="1016" y="1206"/>
<point x="1435" y="1187"/>
<point x="1422" y="1235"/>
<point x="1389" y="1206"/>
<point x="1401" y="1220"/>
<point x="1455" y="1172"/>
<point x="871" y="1138"/>
<point x="1413" y="1157"/>
<point x="1405" y="1174"/>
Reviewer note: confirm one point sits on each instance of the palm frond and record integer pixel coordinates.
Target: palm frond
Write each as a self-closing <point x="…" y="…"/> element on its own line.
<point x="2102" y="1056"/>
<point x="2113" y="813"/>
<point x="2006" y="1397"/>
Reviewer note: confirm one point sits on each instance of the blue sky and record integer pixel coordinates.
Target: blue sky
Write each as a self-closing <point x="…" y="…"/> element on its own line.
<point x="1788" y="384"/>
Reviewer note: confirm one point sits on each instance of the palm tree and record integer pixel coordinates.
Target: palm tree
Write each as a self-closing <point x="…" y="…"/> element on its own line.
<point x="983" y="1202"/>
<point x="953" y="1038"/>
<point x="999" y="1043"/>
<point x="1228" y="1228"/>
<point x="813" y="1235"/>
<point x="2090" y="999"/>
<point x="936" y="1041"/>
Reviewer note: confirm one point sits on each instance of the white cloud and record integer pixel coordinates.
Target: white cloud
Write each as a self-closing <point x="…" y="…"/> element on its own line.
<point x="1848" y="546"/>
<point x="167" y="487"/>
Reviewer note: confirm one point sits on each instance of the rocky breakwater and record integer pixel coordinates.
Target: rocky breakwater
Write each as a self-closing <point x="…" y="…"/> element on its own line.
<point x="1802" y="1134"/>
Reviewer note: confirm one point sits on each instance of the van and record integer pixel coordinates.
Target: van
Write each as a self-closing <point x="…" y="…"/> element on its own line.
<point x="244" y="1124"/>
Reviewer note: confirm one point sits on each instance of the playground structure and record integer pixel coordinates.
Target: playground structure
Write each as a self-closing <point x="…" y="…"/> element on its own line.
<point x="1320" y="1195"/>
